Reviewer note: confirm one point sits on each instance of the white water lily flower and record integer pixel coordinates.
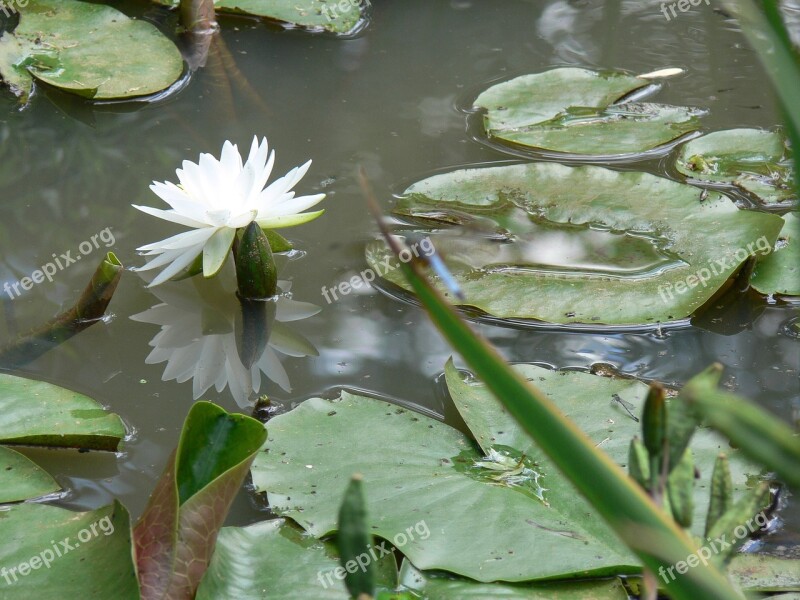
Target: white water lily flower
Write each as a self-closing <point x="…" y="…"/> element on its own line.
<point x="216" y="197"/>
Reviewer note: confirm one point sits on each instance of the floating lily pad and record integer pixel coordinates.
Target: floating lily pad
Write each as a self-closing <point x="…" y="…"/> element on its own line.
<point x="50" y="552"/>
<point x="779" y="273"/>
<point x="432" y="493"/>
<point x="336" y="16"/>
<point x="578" y="111"/>
<point x="753" y="159"/>
<point x="21" y="478"/>
<point x="86" y="49"/>
<point x="40" y="413"/>
<point x="447" y="587"/>
<point x="582" y="245"/>
<point x="277" y="560"/>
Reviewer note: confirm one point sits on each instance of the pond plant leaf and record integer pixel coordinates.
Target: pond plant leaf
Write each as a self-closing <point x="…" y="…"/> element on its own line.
<point x="43" y="414"/>
<point x="425" y="481"/>
<point x="779" y="273"/>
<point x="175" y="536"/>
<point x="86" y="49"/>
<point x="582" y="112"/>
<point x="446" y="587"/>
<point x="21" y="478"/>
<point x="51" y="552"/>
<point x="755" y="160"/>
<point x="344" y="16"/>
<point x="581" y="245"/>
<point x="90" y="308"/>
<point x="278" y="560"/>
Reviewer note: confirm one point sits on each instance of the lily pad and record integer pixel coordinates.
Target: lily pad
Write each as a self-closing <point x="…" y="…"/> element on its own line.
<point x="582" y="245"/>
<point x="277" y="560"/>
<point x="21" y="478"/>
<point x="753" y="159"/>
<point x="447" y="587"/>
<point x="779" y="273"/>
<point x="40" y="413"/>
<point x="336" y="16"/>
<point x="440" y="500"/>
<point x="86" y="49"/>
<point x="50" y="552"/>
<point x="578" y="111"/>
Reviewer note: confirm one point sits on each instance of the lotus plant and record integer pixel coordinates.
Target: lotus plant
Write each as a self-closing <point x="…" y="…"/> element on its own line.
<point x="215" y="198"/>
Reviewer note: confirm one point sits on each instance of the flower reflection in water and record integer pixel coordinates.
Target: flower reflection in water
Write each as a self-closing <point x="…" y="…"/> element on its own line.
<point x="211" y="336"/>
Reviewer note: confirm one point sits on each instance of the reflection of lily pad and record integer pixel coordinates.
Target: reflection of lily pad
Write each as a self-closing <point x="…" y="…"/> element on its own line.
<point x="276" y="560"/>
<point x="532" y="212"/>
<point x="87" y="49"/>
<point x="335" y="16"/>
<point x="581" y="112"/>
<point x="779" y="273"/>
<point x="423" y="481"/>
<point x="21" y="478"/>
<point x="755" y="160"/>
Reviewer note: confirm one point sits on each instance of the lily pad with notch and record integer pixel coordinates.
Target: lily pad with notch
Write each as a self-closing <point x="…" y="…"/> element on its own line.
<point x="583" y="112"/>
<point x="427" y="485"/>
<point x="86" y="49"/>
<point x="580" y="245"/>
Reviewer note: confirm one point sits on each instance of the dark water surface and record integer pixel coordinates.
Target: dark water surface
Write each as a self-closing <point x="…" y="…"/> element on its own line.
<point x="387" y="100"/>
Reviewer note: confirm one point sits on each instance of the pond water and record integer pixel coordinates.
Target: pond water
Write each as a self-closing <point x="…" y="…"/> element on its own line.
<point x="387" y="99"/>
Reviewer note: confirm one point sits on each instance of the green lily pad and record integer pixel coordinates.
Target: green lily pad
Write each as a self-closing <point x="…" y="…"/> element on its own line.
<point x="582" y="245"/>
<point x="40" y="413"/>
<point x="275" y="559"/>
<point x="578" y="111"/>
<point x="50" y="552"/>
<point x="447" y="587"/>
<point x="87" y="49"/>
<point x="336" y="16"/>
<point x="764" y="573"/>
<point x="779" y="273"/>
<point x="21" y="478"/>
<point x="445" y="504"/>
<point x="753" y="159"/>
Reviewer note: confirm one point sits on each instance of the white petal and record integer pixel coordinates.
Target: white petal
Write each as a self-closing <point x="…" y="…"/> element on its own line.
<point x="243" y="219"/>
<point x="182" y="240"/>
<point x="296" y="205"/>
<point x="216" y="250"/>
<point x="178" y="199"/>
<point x="177" y="265"/>
<point x="172" y="216"/>
<point x="288" y="220"/>
<point x="230" y="159"/>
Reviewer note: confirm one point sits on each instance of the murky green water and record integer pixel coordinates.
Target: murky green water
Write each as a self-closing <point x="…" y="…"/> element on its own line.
<point x="387" y="100"/>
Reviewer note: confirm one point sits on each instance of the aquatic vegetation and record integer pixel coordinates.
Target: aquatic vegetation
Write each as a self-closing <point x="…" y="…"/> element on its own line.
<point x="341" y="16"/>
<point x="216" y="197"/>
<point x="701" y="239"/>
<point x="175" y="536"/>
<point x="754" y="160"/>
<point x="583" y="112"/>
<point x="86" y="49"/>
<point x="779" y="273"/>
